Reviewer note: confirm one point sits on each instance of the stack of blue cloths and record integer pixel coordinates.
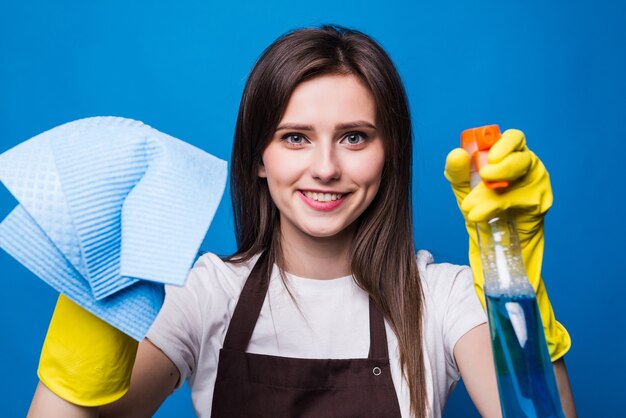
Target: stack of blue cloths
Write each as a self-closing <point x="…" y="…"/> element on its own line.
<point x="109" y="210"/>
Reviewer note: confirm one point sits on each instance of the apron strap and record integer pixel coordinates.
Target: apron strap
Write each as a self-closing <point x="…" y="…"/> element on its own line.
<point x="248" y="306"/>
<point x="251" y="301"/>
<point x="378" y="335"/>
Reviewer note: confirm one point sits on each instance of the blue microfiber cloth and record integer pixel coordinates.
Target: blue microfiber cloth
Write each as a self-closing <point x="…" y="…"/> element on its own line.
<point x="110" y="209"/>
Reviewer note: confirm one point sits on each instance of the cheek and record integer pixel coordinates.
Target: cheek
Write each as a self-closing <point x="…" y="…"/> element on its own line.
<point x="280" y="171"/>
<point x="368" y="170"/>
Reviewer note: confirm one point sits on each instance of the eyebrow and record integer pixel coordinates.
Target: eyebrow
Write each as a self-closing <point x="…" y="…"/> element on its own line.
<point x="349" y="125"/>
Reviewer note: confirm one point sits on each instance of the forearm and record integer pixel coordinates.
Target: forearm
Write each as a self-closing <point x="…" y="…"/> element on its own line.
<point x="47" y="404"/>
<point x="565" y="390"/>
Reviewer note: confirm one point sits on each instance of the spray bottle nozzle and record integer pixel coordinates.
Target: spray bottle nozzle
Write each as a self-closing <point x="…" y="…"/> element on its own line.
<point x="477" y="142"/>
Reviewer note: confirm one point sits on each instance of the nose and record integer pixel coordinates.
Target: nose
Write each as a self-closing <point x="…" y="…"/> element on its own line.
<point x="325" y="165"/>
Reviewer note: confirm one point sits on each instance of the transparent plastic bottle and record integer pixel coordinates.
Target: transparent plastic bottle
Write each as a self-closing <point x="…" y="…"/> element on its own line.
<point x="524" y="371"/>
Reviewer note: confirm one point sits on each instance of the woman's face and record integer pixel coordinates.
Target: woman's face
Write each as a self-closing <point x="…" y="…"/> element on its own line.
<point x="324" y="162"/>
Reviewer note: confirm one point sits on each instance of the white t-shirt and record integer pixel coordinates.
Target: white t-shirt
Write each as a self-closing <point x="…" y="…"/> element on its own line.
<point x="331" y="320"/>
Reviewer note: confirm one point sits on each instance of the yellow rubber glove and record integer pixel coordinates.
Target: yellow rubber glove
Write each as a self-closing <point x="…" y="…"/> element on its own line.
<point x="84" y="360"/>
<point x="527" y="199"/>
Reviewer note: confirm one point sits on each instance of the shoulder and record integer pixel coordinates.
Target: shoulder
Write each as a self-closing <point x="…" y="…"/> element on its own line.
<point x="441" y="278"/>
<point x="211" y="275"/>
<point x="197" y="313"/>
<point x="448" y="291"/>
<point x="452" y="309"/>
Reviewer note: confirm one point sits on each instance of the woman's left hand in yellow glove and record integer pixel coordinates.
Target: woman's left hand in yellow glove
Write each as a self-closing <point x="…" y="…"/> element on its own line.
<point x="527" y="199"/>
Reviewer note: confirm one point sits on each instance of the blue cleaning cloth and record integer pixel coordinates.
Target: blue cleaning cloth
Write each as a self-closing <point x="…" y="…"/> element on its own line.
<point x="110" y="209"/>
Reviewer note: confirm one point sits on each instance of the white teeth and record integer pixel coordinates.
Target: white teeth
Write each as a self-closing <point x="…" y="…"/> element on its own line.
<point x="322" y="197"/>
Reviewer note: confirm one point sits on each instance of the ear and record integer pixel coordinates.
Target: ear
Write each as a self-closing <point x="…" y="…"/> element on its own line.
<point x="261" y="171"/>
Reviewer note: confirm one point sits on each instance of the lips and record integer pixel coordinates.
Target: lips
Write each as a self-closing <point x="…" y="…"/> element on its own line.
<point x="322" y="201"/>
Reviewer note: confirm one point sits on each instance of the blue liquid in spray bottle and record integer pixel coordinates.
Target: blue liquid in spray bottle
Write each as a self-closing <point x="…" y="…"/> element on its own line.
<point x="523" y="367"/>
<point x="526" y="382"/>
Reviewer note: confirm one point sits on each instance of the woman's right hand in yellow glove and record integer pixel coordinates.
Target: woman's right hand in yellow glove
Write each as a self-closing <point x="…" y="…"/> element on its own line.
<point x="86" y="366"/>
<point x="84" y="360"/>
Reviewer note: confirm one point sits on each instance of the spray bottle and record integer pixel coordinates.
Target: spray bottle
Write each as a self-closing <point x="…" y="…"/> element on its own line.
<point x="524" y="371"/>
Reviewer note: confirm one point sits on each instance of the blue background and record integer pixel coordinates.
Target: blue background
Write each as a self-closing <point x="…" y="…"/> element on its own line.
<point x="554" y="69"/>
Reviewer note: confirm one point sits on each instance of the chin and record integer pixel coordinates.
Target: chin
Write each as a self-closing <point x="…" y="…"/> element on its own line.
<point x="326" y="231"/>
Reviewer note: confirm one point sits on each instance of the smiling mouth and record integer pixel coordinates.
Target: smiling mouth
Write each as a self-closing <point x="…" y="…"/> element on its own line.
<point x="322" y="197"/>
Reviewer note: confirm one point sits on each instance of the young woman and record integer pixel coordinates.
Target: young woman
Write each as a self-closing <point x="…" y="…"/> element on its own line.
<point x="325" y="309"/>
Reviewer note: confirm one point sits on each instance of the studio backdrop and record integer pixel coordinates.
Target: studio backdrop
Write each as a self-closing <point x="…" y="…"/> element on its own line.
<point x="554" y="69"/>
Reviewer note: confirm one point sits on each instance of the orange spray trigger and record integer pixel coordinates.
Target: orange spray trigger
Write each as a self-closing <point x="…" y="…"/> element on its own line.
<point x="477" y="142"/>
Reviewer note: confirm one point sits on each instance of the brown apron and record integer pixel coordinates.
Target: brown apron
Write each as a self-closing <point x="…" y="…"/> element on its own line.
<point x="258" y="385"/>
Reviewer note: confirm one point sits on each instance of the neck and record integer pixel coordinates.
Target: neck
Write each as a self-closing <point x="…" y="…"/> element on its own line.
<point x="313" y="257"/>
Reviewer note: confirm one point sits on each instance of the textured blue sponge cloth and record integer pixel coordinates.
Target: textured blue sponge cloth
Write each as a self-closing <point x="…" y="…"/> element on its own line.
<point x="110" y="209"/>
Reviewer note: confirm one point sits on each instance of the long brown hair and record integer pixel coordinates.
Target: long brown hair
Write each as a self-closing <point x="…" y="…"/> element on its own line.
<point x="382" y="253"/>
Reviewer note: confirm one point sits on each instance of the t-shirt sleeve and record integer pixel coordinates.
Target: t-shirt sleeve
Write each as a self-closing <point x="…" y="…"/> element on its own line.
<point x="456" y="305"/>
<point x="177" y="329"/>
<point x="463" y="310"/>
